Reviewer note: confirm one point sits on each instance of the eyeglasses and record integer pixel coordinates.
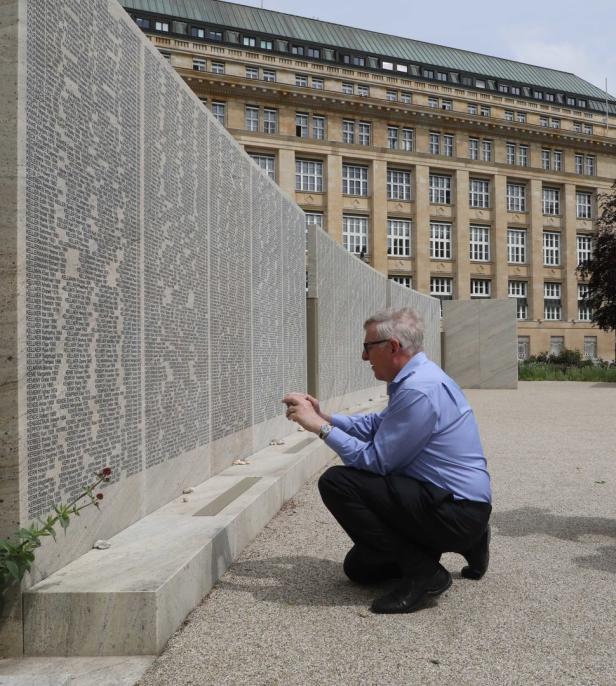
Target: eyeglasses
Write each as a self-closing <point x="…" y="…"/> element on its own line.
<point x="368" y="345"/>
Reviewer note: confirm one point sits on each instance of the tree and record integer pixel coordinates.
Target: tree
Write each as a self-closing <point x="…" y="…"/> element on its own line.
<point x="600" y="269"/>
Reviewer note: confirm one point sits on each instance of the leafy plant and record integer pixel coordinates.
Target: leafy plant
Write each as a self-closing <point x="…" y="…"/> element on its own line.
<point x="17" y="552"/>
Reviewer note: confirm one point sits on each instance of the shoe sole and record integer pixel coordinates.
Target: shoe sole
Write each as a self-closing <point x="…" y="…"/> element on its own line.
<point x="474" y="573"/>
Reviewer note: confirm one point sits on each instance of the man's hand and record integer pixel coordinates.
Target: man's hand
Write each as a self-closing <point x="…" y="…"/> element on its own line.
<point x="301" y="409"/>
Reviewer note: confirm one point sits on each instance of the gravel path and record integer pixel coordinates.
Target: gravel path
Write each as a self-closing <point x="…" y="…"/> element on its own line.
<point x="284" y="614"/>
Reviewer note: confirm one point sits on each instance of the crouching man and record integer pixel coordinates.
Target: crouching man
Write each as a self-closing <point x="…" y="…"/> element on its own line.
<point x="414" y="482"/>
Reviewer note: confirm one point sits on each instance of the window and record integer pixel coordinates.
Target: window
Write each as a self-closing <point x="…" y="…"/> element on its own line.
<point x="199" y="64"/>
<point x="314" y="219"/>
<point x="399" y="237"/>
<point x="471" y="108"/>
<point x="355" y="233"/>
<point x="269" y="75"/>
<point x="545" y="159"/>
<point x="162" y="26"/>
<point x="509" y="115"/>
<point x="441" y="76"/>
<point x="363" y="91"/>
<point x="551" y="301"/>
<point x="142" y="22"/>
<point x="301" y="80"/>
<point x="523" y="155"/>
<point x="406" y="97"/>
<point x="165" y="54"/>
<point x="435" y="143"/>
<point x="249" y="41"/>
<point x="577" y="127"/>
<point x="557" y="343"/>
<point x="519" y="290"/>
<point x="523" y="347"/>
<point x="348" y="131"/>
<point x="297" y="49"/>
<point x="485" y="111"/>
<point x="583" y="248"/>
<point x="583" y="205"/>
<point x="516" y="246"/>
<point x="347" y="88"/>
<point x="407" y="140"/>
<point x="590" y="165"/>
<point x="520" y="117"/>
<point x="555" y="123"/>
<point x="398" y="184"/>
<point x="218" y="110"/>
<point x="473" y="148"/>
<point x="479" y="243"/>
<point x="551" y="201"/>
<point x="440" y="189"/>
<point x="392" y="96"/>
<point x="266" y="44"/>
<point x="440" y="241"/>
<point x="441" y="287"/>
<point x="448" y="141"/>
<point x="309" y="176"/>
<point x="252" y="72"/>
<point x="301" y="125"/>
<point x="392" y="137"/>
<point x="217" y="36"/>
<point x="584" y="308"/>
<point x="313" y="53"/>
<point x="354" y="180"/>
<point x="270" y="121"/>
<point x="364" y="130"/>
<point x="551" y="248"/>
<point x="406" y="281"/>
<point x="218" y="68"/>
<point x="318" y="84"/>
<point x="318" y="127"/>
<point x="252" y="118"/>
<point x="266" y="162"/>
<point x="587" y="128"/>
<point x="557" y="160"/>
<point x="446" y="105"/>
<point x="480" y="288"/>
<point x="590" y="347"/>
<point x="428" y="73"/>
<point x="579" y="164"/>
<point x="479" y="193"/>
<point x="516" y="197"/>
<point x="486" y="149"/>
<point x="433" y="102"/>
<point x="543" y="121"/>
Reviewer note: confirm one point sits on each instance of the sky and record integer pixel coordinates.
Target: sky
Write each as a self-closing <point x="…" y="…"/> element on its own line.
<point x="578" y="37"/>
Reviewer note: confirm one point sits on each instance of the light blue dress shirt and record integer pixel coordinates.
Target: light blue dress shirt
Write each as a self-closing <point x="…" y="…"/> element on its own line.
<point x="427" y="432"/>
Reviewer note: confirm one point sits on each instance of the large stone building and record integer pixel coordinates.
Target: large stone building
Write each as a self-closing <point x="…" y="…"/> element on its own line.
<point x="461" y="175"/>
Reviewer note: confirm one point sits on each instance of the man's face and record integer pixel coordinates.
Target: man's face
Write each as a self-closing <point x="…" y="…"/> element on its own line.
<point x="379" y="355"/>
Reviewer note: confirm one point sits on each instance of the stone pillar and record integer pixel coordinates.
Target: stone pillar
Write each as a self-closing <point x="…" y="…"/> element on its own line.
<point x="379" y="134"/>
<point x="334" y="197"/>
<point x="499" y="237"/>
<point x="568" y="255"/>
<point x="285" y="174"/>
<point x="461" y="237"/>
<point x="421" y="229"/>
<point x="535" y="249"/>
<point x="378" y="246"/>
<point x="286" y="121"/>
<point x="421" y="139"/>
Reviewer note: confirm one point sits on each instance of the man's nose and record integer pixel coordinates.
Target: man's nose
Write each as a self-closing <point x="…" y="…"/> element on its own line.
<point x="364" y="355"/>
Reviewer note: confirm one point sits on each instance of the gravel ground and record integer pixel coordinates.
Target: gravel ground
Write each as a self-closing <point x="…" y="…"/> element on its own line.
<point x="284" y="613"/>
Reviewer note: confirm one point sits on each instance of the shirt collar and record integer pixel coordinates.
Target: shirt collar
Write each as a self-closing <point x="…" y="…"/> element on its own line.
<point x="410" y="367"/>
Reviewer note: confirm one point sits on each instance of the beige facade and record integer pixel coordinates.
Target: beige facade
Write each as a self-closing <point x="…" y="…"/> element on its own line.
<point x="484" y="154"/>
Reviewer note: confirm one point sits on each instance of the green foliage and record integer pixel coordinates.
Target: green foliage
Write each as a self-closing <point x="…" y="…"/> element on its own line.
<point x="600" y="269"/>
<point x="17" y="552"/>
<point x="568" y="365"/>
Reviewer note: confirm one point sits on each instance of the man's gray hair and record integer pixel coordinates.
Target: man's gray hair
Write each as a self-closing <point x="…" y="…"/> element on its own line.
<point x="404" y="324"/>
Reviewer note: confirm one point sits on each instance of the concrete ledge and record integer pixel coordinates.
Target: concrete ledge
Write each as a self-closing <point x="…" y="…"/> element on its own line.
<point x="128" y="599"/>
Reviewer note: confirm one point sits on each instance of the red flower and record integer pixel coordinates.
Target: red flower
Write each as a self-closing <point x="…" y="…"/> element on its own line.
<point x="99" y="496"/>
<point x="106" y="471"/>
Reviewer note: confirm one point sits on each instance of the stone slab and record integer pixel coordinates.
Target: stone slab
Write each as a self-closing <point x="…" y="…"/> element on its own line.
<point x="128" y="599"/>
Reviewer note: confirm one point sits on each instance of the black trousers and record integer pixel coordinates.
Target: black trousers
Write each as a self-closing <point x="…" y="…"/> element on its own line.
<point x="399" y="523"/>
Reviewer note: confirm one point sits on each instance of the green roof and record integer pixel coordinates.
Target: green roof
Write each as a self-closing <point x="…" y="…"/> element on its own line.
<point x="318" y="32"/>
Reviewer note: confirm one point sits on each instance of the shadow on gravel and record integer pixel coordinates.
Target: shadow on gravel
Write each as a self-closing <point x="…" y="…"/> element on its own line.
<point x="297" y="580"/>
<point x="536" y="520"/>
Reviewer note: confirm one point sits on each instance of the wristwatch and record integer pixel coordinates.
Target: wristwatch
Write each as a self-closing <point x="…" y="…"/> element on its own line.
<point x="325" y="430"/>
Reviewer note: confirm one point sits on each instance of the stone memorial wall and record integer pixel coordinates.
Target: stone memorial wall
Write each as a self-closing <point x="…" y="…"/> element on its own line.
<point x="163" y="310"/>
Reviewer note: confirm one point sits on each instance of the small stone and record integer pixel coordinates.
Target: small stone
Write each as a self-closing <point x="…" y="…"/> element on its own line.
<point x="101" y="545"/>
<point x="185" y="499"/>
<point x="276" y="441"/>
<point x="240" y="461"/>
<point x="190" y="489"/>
<point x="301" y="428"/>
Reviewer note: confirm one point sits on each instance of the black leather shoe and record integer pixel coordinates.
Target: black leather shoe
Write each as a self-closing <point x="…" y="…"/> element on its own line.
<point x="478" y="558"/>
<point x="411" y="593"/>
